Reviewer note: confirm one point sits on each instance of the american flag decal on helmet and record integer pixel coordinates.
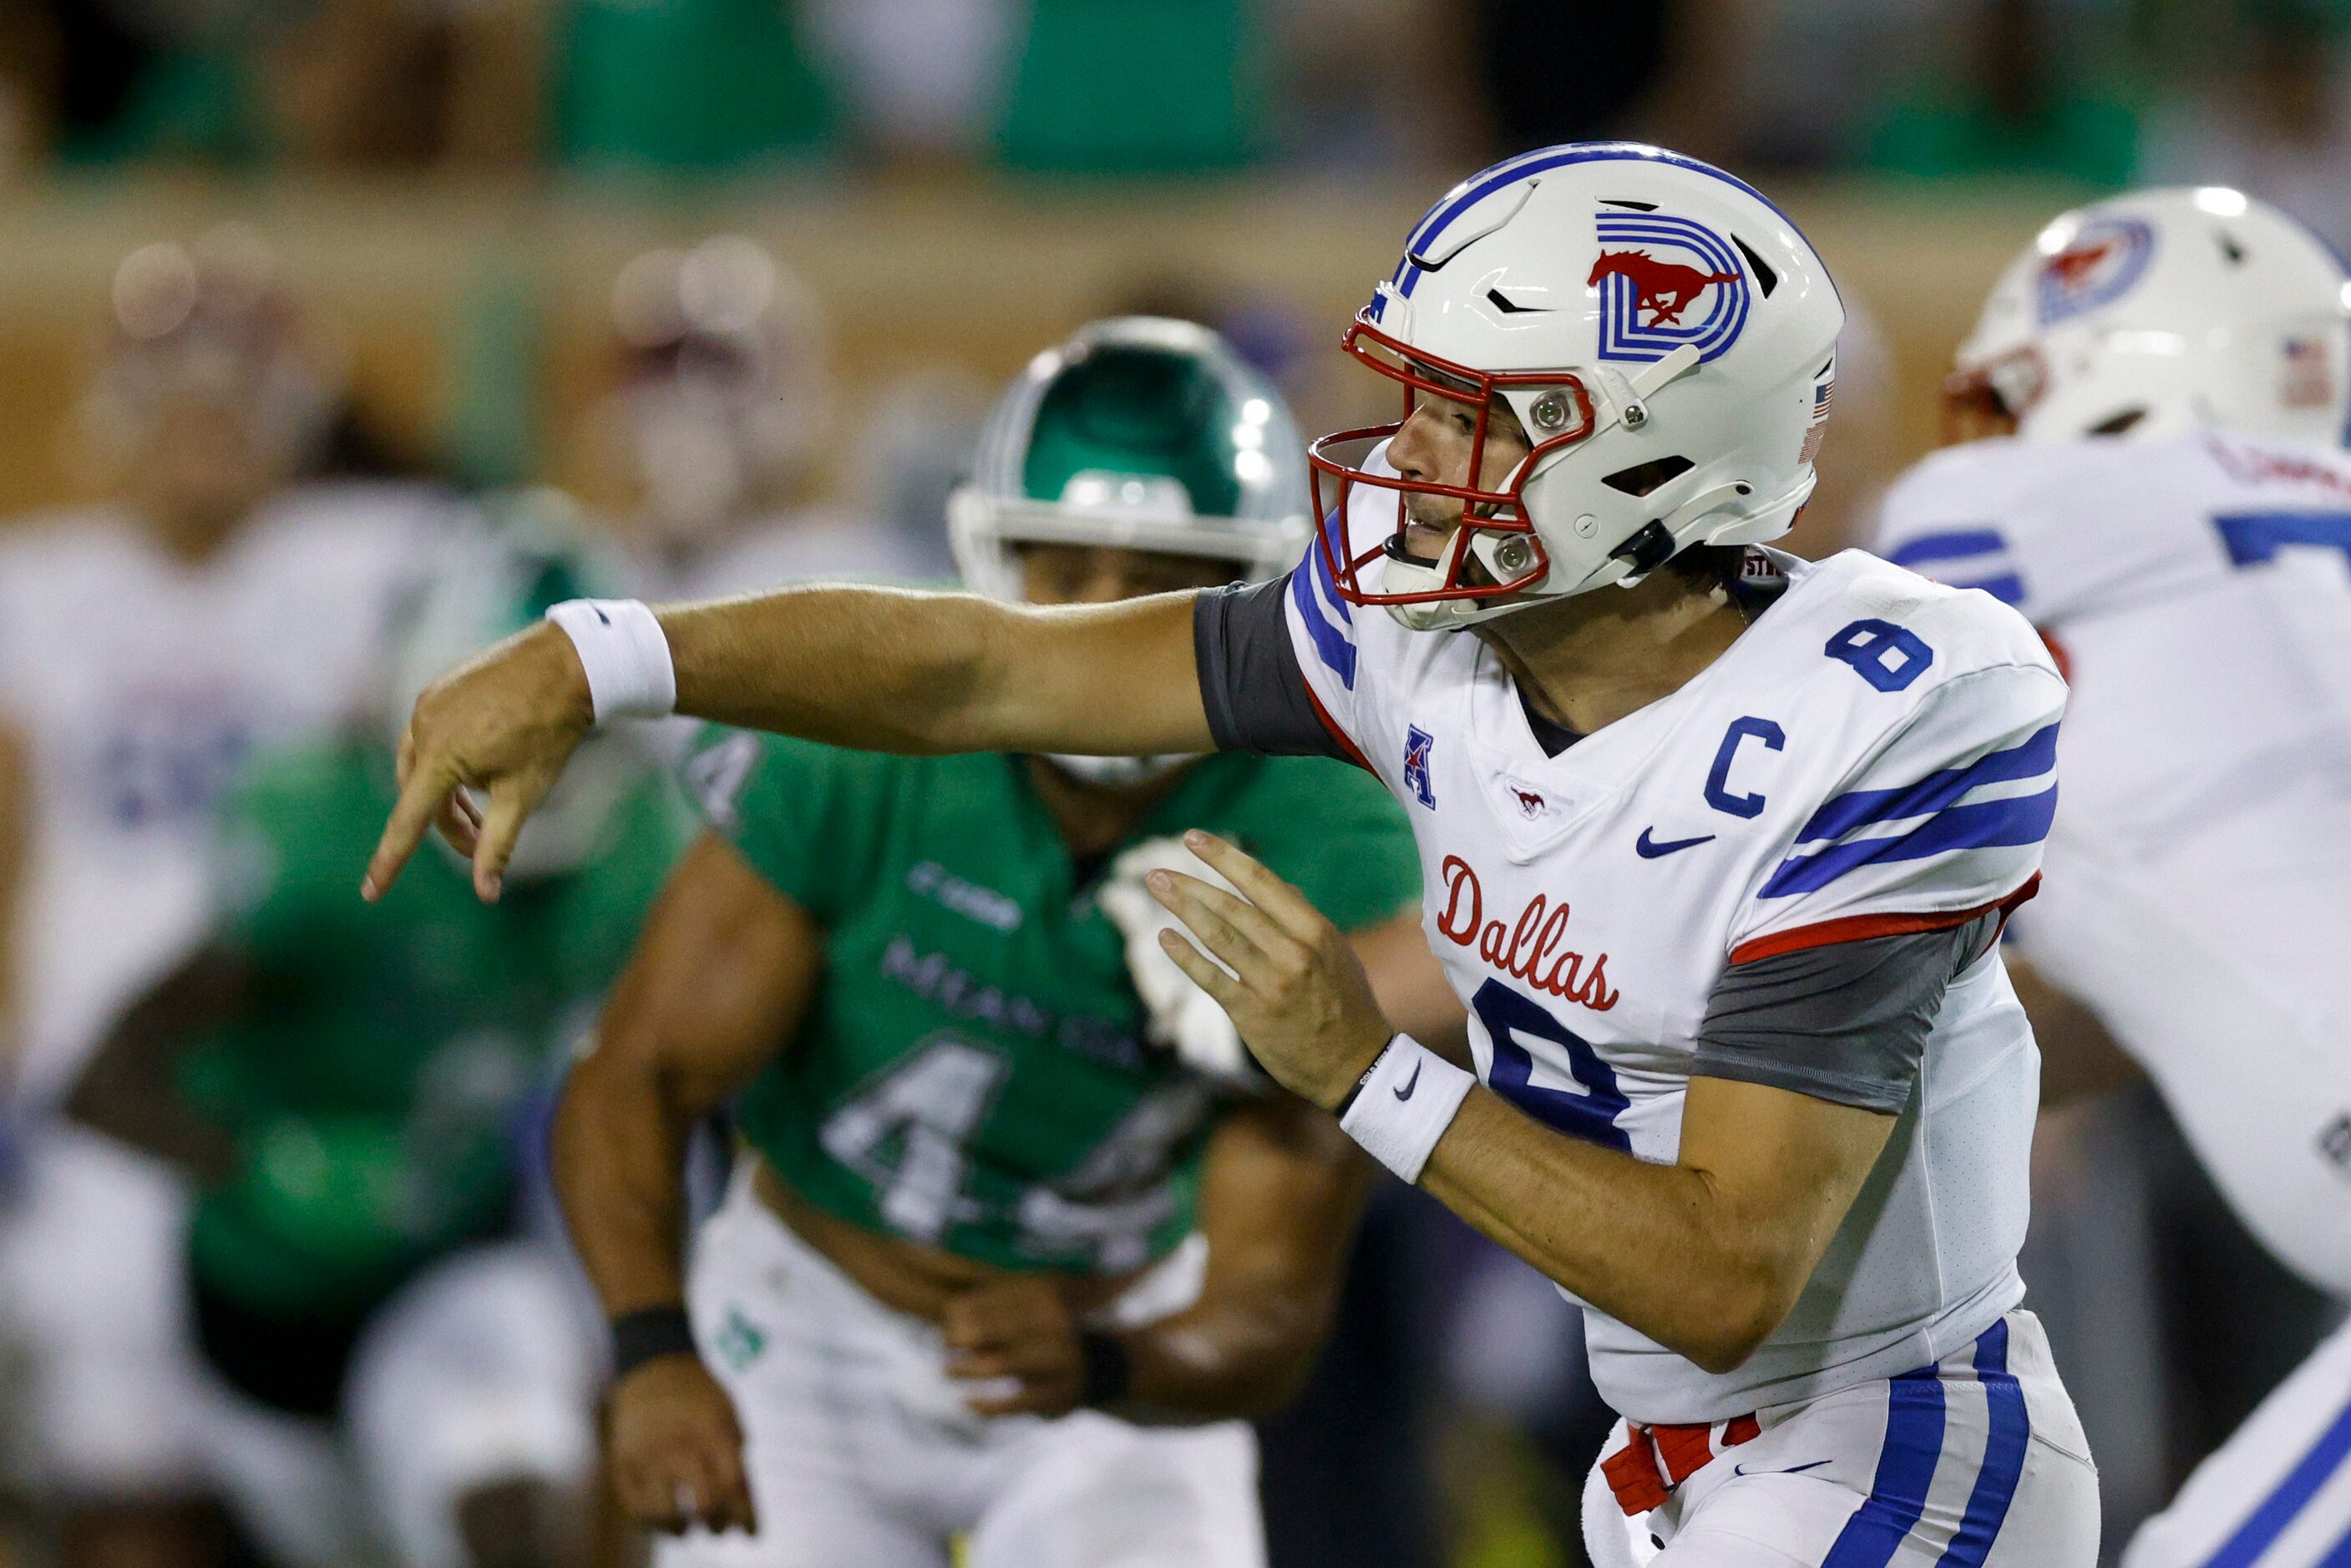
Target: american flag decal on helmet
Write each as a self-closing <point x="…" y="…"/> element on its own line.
<point x="1823" y="396"/>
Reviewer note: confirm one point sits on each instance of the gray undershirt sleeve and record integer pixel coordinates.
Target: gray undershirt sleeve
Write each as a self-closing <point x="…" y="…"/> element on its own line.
<point x="1845" y="1022"/>
<point x="1250" y="684"/>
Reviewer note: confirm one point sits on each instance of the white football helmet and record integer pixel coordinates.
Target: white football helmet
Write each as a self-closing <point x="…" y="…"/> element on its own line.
<point x="2160" y="311"/>
<point x="724" y="392"/>
<point x="1663" y="332"/>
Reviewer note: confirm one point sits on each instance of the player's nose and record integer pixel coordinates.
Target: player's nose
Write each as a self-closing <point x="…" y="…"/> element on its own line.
<point x="1412" y="450"/>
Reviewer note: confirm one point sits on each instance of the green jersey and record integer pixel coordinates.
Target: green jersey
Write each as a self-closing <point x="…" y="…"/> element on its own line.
<point x="973" y="1073"/>
<point x="378" y="1072"/>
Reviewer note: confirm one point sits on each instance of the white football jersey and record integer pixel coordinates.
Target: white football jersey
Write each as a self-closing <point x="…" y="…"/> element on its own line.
<point x="1874" y="755"/>
<point x="2199" y="590"/>
<point x="140" y="683"/>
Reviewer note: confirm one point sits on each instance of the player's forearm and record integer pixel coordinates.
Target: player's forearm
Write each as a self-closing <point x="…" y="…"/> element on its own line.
<point x="1657" y="1247"/>
<point x="619" y="1158"/>
<point x="886" y="669"/>
<point x="872" y="668"/>
<point x="1243" y="1358"/>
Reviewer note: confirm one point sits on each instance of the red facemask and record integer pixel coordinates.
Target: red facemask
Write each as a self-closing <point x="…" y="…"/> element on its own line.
<point x="1484" y="512"/>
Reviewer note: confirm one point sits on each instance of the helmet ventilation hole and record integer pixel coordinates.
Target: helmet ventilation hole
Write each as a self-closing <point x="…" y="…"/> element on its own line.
<point x="1648" y="549"/>
<point x="2115" y="424"/>
<point x="1765" y="278"/>
<point x="2231" y="249"/>
<point x="1644" y="477"/>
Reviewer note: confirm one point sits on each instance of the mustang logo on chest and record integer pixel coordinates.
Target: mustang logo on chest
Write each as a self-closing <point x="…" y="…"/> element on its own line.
<point x="1532" y="949"/>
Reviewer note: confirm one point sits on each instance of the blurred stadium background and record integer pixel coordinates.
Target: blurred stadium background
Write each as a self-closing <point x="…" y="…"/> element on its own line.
<point x="453" y="189"/>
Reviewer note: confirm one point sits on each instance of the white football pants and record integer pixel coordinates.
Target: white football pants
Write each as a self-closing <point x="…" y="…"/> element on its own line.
<point x="1975" y="1462"/>
<point x="2277" y="1494"/>
<point x="859" y="1448"/>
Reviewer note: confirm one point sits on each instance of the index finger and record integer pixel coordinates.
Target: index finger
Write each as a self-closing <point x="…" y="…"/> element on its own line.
<point x="1286" y="905"/>
<point x="421" y="799"/>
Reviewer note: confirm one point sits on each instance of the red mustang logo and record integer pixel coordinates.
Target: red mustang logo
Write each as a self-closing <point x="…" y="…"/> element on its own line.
<point x="2073" y="268"/>
<point x="1663" y="288"/>
<point x="1532" y="950"/>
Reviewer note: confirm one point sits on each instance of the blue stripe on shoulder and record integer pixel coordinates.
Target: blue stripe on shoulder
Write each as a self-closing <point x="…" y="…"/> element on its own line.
<point x="2031" y="757"/>
<point x="1331" y="644"/>
<point x="2279" y="1510"/>
<point x="1954" y="544"/>
<point x="2011" y="1429"/>
<point x="2008" y="588"/>
<point x="2020" y="819"/>
<point x="1323" y="578"/>
<point x="1906" y="1469"/>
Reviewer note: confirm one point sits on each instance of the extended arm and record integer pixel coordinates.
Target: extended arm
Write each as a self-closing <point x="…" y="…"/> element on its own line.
<point x="127" y="1091"/>
<point x="878" y="668"/>
<point x="719" y="980"/>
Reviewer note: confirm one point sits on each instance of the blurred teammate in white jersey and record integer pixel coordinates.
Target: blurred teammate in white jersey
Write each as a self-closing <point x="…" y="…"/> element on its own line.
<point x="2171" y="504"/>
<point x="1717" y="844"/>
<point x="713" y="442"/>
<point x="147" y="646"/>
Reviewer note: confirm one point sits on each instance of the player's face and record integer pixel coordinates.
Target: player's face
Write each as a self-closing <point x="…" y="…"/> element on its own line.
<point x="1098" y="574"/>
<point x="202" y="464"/>
<point x="1435" y="445"/>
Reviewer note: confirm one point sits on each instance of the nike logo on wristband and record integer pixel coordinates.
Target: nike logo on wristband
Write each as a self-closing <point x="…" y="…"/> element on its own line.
<point x="1410" y="1084"/>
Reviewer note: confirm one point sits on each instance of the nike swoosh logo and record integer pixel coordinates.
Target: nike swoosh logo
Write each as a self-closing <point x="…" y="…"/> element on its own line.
<point x="1790" y="1470"/>
<point x="1412" y="1083"/>
<point x="1650" y="849"/>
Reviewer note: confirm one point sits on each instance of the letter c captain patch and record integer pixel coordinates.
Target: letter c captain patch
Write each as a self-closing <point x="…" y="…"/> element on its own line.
<point x="1416" y="741"/>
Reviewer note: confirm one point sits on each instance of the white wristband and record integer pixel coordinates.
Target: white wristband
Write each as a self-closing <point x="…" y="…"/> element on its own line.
<point x="621" y="648"/>
<point x="1404" y="1103"/>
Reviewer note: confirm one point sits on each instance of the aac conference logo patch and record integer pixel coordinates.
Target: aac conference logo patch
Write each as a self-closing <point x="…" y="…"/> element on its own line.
<point x="2105" y="258"/>
<point x="1665" y="281"/>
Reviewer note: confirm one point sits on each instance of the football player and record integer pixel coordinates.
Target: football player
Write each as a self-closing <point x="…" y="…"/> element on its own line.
<point x="2165" y="493"/>
<point x="389" y="1357"/>
<point x="991" y="1199"/>
<point x="215" y="605"/>
<point x="1718" y="843"/>
<point x="716" y="429"/>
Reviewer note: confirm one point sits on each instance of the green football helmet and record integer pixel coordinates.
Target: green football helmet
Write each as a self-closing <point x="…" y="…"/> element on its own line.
<point x="1139" y="434"/>
<point x="533" y="550"/>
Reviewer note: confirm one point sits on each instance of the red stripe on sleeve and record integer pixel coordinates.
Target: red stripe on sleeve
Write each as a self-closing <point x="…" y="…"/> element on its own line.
<point x="1858" y="927"/>
<point x="1337" y="733"/>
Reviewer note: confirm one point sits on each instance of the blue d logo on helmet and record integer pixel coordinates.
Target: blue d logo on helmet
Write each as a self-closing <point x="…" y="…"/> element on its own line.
<point x="2106" y="257"/>
<point x="1666" y="281"/>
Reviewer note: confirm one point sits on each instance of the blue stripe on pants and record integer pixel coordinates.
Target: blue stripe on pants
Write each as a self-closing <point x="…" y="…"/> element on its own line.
<point x="2277" y="1509"/>
<point x="1905" y="1468"/>
<point x="2009" y="1430"/>
<point x="2338" y="1556"/>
